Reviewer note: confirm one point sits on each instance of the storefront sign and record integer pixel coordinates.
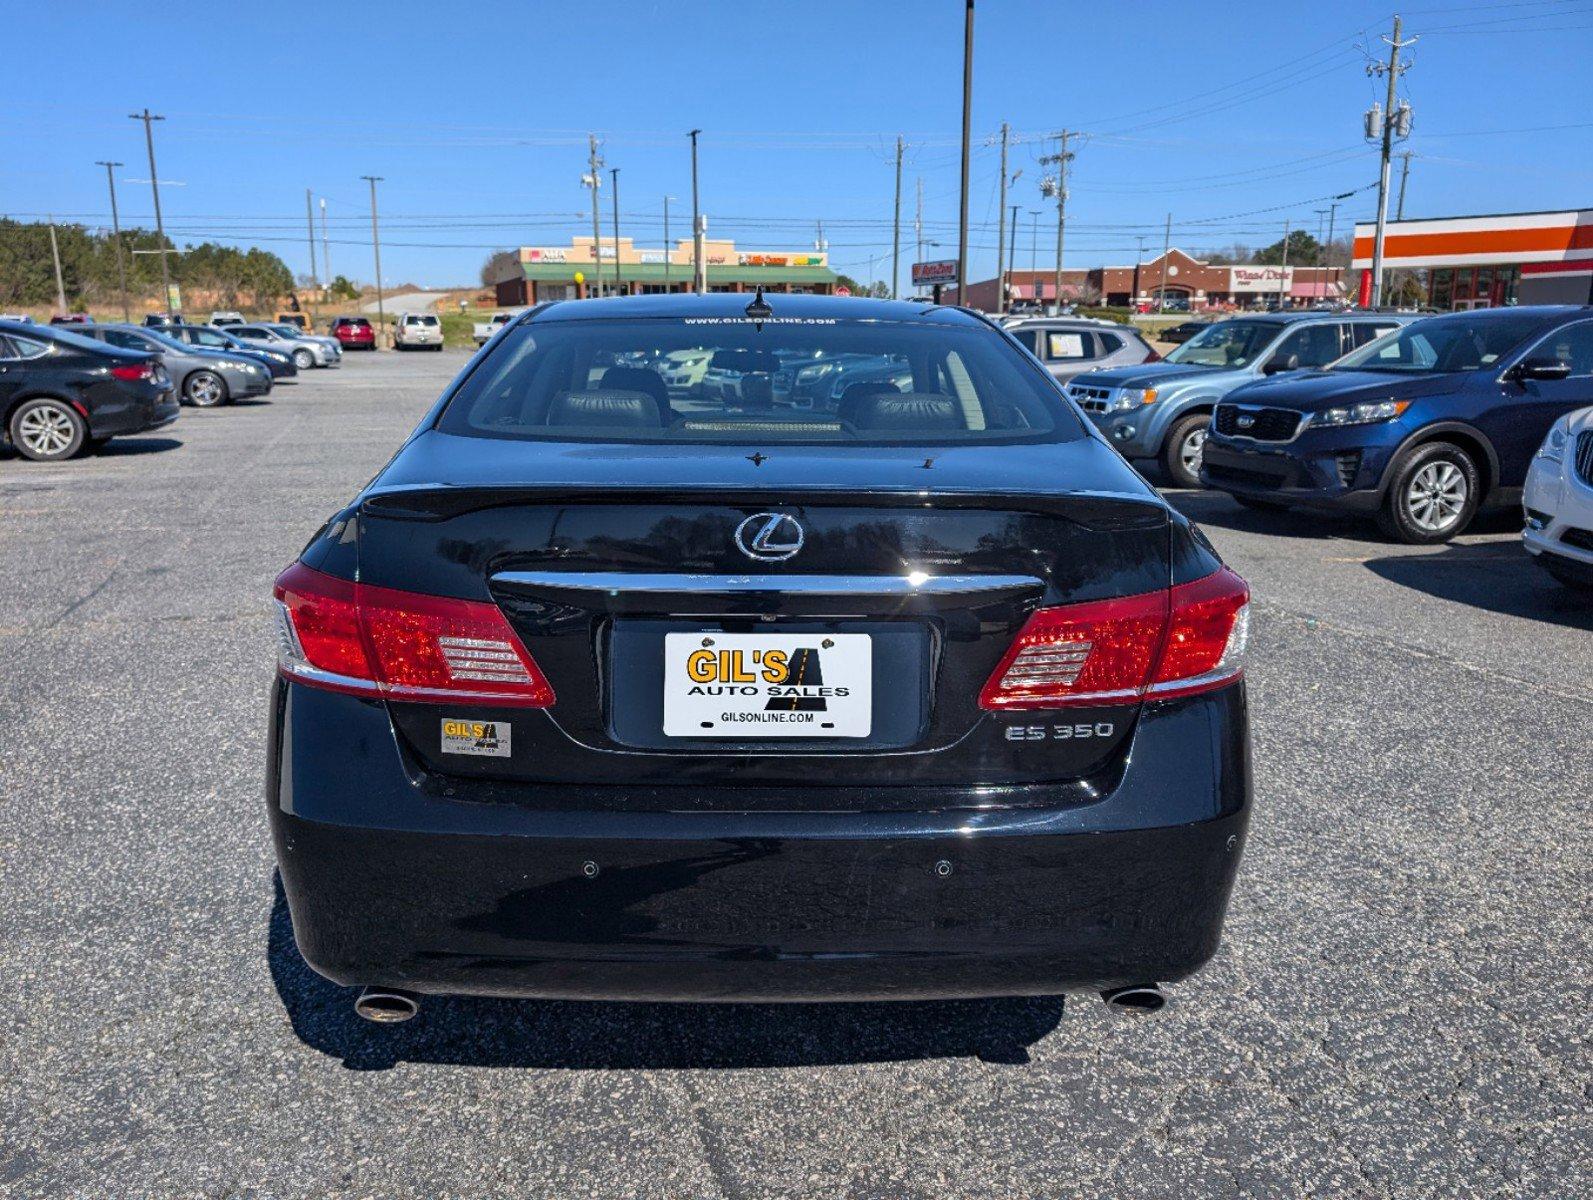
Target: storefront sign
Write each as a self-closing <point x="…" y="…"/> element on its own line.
<point x="929" y="273"/>
<point x="1261" y="279"/>
<point x="651" y="256"/>
<point x="547" y="256"/>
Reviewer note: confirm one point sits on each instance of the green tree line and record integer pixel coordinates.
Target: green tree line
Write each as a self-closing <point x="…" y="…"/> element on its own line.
<point x="233" y="278"/>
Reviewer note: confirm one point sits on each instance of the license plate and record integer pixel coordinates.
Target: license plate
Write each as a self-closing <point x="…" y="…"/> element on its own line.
<point x="756" y="685"/>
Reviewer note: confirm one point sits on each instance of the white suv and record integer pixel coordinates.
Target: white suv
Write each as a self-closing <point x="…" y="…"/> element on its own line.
<point x="1559" y="501"/>
<point x="418" y="330"/>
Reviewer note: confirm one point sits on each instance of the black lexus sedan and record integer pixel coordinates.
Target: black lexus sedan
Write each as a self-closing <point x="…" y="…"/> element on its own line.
<point x="62" y="393"/>
<point x="598" y="691"/>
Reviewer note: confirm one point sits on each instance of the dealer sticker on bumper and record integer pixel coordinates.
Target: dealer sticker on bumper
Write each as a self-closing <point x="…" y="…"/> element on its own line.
<point x="754" y="685"/>
<point x="475" y="737"/>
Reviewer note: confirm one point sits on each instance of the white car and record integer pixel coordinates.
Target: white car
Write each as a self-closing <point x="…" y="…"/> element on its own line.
<point x="683" y="369"/>
<point x="1559" y="501"/>
<point x="418" y="331"/>
<point x="226" y="318"/>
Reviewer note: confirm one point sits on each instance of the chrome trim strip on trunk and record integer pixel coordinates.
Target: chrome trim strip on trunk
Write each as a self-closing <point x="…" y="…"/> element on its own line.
<point x="914" y="583"/>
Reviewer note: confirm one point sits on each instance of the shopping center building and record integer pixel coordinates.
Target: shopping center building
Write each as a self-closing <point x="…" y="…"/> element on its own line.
<point x="1185" y="278"/>
<point x="1483" y="262"/>
<point x="622" y="268"/>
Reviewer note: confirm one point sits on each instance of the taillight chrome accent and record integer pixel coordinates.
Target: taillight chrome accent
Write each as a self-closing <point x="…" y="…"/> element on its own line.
<point x="356" y="637"/>
<point x="1188" y="639"/>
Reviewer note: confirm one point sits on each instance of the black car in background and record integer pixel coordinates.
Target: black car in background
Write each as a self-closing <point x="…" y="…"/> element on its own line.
<point x="1178" y="334"/>
<point x="596" y="691"/>
<point x="61" y="393"/>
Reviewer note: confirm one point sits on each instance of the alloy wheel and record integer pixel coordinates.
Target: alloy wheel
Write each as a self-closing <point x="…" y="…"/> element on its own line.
<point x="1436" y="496"/>
<point x="45" y="430"/>
<point x="303" y="359"/>
<point x="1193" y="451"/>
<point x="205" y="389"/>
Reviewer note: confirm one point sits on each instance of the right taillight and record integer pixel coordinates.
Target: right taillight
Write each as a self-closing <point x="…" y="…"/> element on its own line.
<point x="1188" y="639"/>
<point x="355" y="637"/>
<point x="134" y="372"/>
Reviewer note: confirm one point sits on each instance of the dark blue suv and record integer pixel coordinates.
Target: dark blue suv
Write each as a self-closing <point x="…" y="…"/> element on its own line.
<point x="1420" y="428"/>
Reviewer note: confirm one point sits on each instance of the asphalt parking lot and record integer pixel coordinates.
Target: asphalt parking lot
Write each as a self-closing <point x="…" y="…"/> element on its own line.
<point x="1396" y="1009"/>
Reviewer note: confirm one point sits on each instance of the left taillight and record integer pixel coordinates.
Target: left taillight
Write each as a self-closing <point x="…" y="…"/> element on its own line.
<point x="134" y="372"/>
<point x="1190" y="638"/>
<point x="358" y="638"/>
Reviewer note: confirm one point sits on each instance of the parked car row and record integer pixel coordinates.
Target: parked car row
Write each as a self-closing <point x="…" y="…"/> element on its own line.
<point x="1418" y="422"/>
<point x="66" y="389"/>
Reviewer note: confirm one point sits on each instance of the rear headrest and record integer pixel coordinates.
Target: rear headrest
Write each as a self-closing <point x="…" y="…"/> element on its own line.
<point x="916" y="410"/>
<point x="606" y="408"/>
<point x="855" y="393"/>
<point x="636" y="379"/>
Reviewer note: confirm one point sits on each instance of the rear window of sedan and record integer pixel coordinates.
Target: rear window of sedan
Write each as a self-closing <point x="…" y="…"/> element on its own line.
<point x="797" y="380"/>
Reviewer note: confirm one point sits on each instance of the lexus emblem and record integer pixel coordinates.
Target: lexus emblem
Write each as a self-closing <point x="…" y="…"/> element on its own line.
<point x="1245" y="421"/>
<point x="769" y="537"/>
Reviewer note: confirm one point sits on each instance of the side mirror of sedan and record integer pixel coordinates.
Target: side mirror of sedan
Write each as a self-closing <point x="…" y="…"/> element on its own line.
<point x="1278" y="365"/>
<point x="1540" y="368"/>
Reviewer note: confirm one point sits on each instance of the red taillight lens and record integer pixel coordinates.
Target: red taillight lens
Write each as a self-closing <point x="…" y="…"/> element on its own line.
<point x="1153" y="356"/>
<point x="403" y="645"/>
<point x="133" y="372"/>
<point x="1185" y="640"/>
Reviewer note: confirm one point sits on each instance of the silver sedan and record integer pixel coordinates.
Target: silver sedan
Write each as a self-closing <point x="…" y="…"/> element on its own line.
<point x="307" y="350"/>
<point x="203" y="378"/>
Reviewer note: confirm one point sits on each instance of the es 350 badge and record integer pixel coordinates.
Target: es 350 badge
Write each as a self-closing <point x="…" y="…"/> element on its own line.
<point x="475" y="737"/>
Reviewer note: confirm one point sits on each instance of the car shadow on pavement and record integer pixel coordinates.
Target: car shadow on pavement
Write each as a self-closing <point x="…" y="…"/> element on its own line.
<point x="1223" y="511"/>
<point x="128" y="447"/>
<point x="1497" y="576"/>
<point x="579" y="1035"/>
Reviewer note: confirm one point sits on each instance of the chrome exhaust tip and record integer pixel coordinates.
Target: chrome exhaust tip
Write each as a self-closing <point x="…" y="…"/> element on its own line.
<point x="386" y="1006"/>
<point x="1141" y="998"/>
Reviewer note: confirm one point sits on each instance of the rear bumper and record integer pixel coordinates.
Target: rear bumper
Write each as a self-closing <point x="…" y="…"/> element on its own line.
<point x="400" y="878"/>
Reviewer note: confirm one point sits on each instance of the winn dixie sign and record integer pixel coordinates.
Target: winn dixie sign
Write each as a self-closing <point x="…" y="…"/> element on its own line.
<point x="1262" y="279"/>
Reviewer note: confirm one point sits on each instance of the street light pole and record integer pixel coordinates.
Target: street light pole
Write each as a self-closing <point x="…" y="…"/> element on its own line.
<point x="967" y="118"/>
<point x="326" y="247"/>
<point x="116" y="236"/>
<point x="1167" y="248"/>
<point x="1012" y="246"/>
<point x="594" y="178"/>
<point x="619" y="287"/>
<point x="154" y="183"/>
<point x="376" y="249"/>
<point x="309" y="221"/>
<point x="699" y="275"/>
<point x="1001" y="224"/>
<point x="669" y="250"/>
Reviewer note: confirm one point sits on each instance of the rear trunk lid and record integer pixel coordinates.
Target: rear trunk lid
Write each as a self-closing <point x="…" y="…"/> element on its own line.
<point x="916" y="570"/>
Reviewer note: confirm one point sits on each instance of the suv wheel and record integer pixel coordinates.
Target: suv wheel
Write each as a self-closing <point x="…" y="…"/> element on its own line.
<point x="1433" y="495"/>
<point x="48" y="430"/>
<point x="303" y="359"/>
<point x="1182" y="452"/>
<point x="205" y="389"/>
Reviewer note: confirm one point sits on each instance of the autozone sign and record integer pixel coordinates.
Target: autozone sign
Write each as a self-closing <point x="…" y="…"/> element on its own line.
<point x="941" y="271"/>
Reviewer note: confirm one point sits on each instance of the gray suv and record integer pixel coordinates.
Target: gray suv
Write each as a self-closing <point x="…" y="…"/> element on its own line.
<point x="1069" y="347"/>
<point x="1161" y="409"/>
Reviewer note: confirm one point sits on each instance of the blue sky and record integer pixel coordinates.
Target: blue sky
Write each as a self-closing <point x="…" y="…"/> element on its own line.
<point x="1233" y="117"/>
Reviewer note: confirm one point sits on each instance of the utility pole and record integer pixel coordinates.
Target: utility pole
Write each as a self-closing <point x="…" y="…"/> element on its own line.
<point x="1283" y="269"/>
<point x="918" y="221"/>
<point x="1404" y="177"/>
<point x="60" y="287"/>
<point x="1139" y="259"/>
<point x="154" y="183"/>
<point x="619" y="286"/>
<point x="1386" y="126"/>
<point x="896" y="225"/>
<point x="699" y="273"/>
<point x="967" y="117"/>
<point x="326" y="247"/>
<point x="116" y="236"/>
<point x="1167" y="248"/>
<point x="1001" y="225"/>
<point x="669" y="250"/>
<point x="1321" y="216"/>
<point x="594" y="180"/>
<point x="1058" y="187"/>
<point x="1012" y="248"/>
<point x="309" y="220"/>
<point x="1333" y="212"/>
<point x="376" y="249"/>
